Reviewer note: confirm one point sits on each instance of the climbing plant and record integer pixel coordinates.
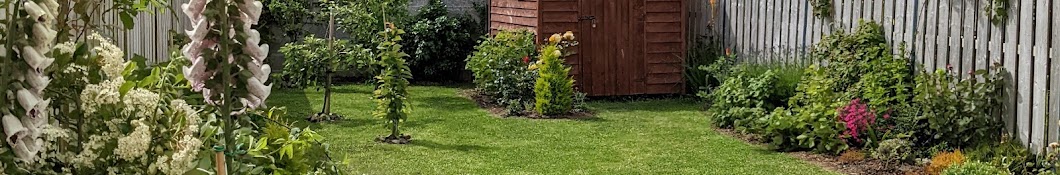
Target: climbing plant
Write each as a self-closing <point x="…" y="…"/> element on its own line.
<point x="822" y="8"/>
<point x="996" y="10"/>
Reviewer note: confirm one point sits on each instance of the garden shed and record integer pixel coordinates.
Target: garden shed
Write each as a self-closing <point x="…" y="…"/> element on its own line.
<point x="627" y="47"/>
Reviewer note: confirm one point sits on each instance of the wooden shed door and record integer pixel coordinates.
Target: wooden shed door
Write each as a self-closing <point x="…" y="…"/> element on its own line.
<point x="612" y="60"/>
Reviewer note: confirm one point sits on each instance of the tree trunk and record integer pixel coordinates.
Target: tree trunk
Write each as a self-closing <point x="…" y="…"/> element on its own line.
<point x="394" y="133"/>
<point x="327" y="96"/>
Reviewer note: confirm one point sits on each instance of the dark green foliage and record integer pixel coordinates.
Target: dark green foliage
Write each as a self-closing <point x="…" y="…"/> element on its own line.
<point x="822" y="8"/>
<point x="740" y="92"/>
<point x="860" y="66"/>
<point x="955" y="111"/>
<point x="439" y="43"/>
<point x="554" y="90"/>
<point x="1010" y="154"/>
<point x="392" y="94"/>
<point x="705" y="52"/>
<point x="285" y="19"/>
<point x="973" y="168"/>
<point x="811" y="125"/>
<point x="308" y="62"/>
<point x="363" y="19"/>
<point x="500" y="66"/>
<point x="716" y="73"/>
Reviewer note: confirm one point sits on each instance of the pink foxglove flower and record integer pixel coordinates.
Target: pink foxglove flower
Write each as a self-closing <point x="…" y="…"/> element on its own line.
<point x="22" y="131"/>
<point x="198" y="73"/>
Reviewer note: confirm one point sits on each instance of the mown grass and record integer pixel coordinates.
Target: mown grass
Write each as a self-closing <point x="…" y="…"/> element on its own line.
<point x="451" y="135"/>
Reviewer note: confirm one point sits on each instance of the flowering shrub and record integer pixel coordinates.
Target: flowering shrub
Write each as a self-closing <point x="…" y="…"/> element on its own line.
<point x="500" y="66"/>
<point x="858" y="119"/>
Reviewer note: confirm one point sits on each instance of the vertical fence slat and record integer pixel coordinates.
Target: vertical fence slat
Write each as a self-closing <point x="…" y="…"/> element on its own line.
<point x="1054" y="82"/>
<point x="954" y="44"/>
<point x="968" y="26"/>
<point x="1012" y="66"/>
<point x="1026" y="63"/>
<point x="932" y="32"/>
<point x="942" y="47"/>
<point x="1041" y="65"/>
<point x="981" y="39"/>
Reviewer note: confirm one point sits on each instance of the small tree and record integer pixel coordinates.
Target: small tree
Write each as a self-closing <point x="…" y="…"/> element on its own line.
<point x="554" y="90"/>
<point x="314" y="61"/>
<point x="392" y="93"/>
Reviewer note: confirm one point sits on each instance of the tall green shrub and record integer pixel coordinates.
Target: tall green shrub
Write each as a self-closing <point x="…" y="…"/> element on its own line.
<point x="392" y="93"/>
<point x="554" y="90"/>
<point x="438" y="44"/>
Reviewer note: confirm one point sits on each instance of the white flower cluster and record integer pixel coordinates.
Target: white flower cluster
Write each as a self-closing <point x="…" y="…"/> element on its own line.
<point x="142" y="100"/>
<point x="22" y="133"/>
<point x="66" y="47"/>
<point x="136" y="143"/>
<point x="113" y="57"/>
<point x="90" y="152"/>
<point x="183" y="160"/>
<point x="197" y="74"/>
<point x="191" y="116"/>
<point x="105" y="93"/>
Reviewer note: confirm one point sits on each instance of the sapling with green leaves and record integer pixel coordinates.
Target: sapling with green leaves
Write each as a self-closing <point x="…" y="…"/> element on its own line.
<point x="314" y="62"/>
<point x="391" y="95"/>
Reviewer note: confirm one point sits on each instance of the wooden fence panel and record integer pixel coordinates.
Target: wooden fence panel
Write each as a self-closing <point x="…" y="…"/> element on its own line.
<point x="937" y="35"/>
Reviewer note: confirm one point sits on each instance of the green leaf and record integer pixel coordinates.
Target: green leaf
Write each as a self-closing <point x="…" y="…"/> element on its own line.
<point x="127" y="20"/>
<point x="125" y="87"/>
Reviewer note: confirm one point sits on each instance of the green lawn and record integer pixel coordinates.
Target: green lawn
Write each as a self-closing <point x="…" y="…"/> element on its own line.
<point x="451" y="135"/>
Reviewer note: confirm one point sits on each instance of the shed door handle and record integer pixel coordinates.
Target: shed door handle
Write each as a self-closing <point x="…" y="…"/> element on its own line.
<point x="590" y="17"/>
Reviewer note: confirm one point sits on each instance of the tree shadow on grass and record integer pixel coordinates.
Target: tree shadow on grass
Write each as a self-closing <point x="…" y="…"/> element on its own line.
<point x="436" y="145"/>
<point x="419" y="122"/>
<point x="297" y="103"/>
<point x="446" y="103"/>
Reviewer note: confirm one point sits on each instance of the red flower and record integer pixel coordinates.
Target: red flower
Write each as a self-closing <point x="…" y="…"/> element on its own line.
<point x="526" y="59"/>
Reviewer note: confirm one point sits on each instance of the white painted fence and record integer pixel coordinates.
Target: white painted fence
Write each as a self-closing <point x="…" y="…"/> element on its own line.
<point x="937" y="33"/>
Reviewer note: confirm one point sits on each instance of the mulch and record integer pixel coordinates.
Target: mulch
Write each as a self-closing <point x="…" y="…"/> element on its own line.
<point x="835" y="163"/>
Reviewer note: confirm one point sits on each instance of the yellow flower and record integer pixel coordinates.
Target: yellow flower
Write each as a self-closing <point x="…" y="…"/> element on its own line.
<point x="555" y="38"/>
<point x="532" y="67"/>
<point x="568" y="36"/>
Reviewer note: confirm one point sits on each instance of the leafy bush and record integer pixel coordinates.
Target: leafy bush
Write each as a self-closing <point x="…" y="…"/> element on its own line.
<point x="392" y="93"/>
<point x="364" y="19"/>
<point x="439" y="43"/>
<point x="974" y="168"/>
<point x="811" y="125"/>
<point x="893" y="150"/>
<point x="944" y="160"/>
<point x="1011" y="155"/>
<point x="554" y="89"/>
<point x="308" y="63"/>
<point x="860" y="66"/>
<point x="737" y="93"/>
<point x="500" y="65"/>
<point x="960" y="112"/>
